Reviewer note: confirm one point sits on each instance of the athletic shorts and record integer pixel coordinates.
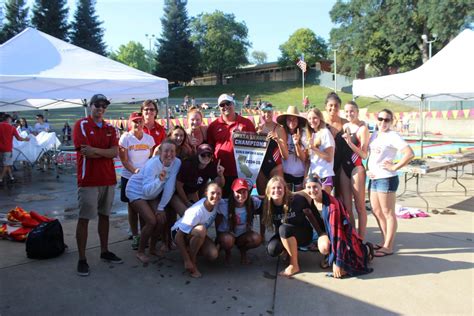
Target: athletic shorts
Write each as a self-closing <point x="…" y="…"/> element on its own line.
<point x="384" y="185"/>
<point x="6" y="158"/>
<point x="123" y="186"/>
<point x="95" y="200"/>
<point x="327" y="181"/>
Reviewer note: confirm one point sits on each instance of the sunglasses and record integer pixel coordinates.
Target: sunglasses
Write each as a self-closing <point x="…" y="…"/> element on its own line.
<point x="101" y="105"/>
<point x="205" y="155"/>
<point x="225" y="104"/>
<point x="149" y="110"/>
<point x="386" y="120"/>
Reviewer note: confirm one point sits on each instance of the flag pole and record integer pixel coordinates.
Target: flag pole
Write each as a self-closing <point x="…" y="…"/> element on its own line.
<point x="302" y="78"/>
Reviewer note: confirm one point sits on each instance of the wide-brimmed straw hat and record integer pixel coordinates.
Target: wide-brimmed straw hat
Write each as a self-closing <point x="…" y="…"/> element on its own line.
<point x="291" y="111"/>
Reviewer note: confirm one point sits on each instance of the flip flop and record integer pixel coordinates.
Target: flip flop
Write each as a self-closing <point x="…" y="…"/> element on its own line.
<point x="331" y="275"/>
<point x="448" y="212"/>
<point x="380" y="253"/>
<point x="370" y="251"/>
<point x="377" y="246"/>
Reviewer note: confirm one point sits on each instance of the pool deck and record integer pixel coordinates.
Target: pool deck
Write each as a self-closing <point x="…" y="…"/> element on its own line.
<point x="431" y="272"/>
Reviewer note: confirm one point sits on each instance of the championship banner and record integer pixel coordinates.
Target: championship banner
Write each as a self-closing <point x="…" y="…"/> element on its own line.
<point x="249" y="151"/>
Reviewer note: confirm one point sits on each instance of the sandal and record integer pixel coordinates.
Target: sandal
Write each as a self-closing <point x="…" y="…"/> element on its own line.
<point x="376" y="246"/>
<point x="370" y="251"/>
<point x="324" y="264"/>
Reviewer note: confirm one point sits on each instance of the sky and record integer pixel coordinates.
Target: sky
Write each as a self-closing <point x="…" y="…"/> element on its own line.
<point x="270" y="22"/>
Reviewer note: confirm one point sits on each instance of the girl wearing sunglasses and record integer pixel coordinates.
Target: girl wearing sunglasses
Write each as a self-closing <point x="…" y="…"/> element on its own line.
<point x="382" y="171"/>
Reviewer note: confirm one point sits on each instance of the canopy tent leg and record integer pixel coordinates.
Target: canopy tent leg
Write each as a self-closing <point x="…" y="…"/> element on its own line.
<point x="422" y="125"/>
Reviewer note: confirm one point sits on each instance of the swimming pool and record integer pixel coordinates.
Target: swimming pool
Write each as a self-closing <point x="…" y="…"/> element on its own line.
<point x="439" y="148"/>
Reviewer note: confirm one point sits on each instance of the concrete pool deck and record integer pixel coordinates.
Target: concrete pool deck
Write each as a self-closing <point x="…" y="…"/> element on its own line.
<point x="430" y="273"/>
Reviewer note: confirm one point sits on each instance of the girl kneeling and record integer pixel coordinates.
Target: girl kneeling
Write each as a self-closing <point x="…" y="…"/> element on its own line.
<point x="285" y="212"/>
<point x="348" y="255"/>
<point x="234" y="221"/>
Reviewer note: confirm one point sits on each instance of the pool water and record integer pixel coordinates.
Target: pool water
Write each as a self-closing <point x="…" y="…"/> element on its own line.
<point x="439" y="148"/>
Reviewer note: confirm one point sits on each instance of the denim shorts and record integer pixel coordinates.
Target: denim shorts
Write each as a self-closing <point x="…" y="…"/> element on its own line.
<point x="384" y="185"/>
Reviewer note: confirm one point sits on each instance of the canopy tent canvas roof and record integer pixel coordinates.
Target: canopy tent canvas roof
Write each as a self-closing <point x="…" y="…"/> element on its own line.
<point x="448" y="75"/>
<point x="39" y="71"/>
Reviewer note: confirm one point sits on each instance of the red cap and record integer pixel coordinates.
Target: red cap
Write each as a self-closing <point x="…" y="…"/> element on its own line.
<point x="135" y="116"/>
<point x="239" y="184"/>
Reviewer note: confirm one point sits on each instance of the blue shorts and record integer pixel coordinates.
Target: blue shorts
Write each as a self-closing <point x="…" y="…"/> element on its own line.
<point x="384" y="185"/>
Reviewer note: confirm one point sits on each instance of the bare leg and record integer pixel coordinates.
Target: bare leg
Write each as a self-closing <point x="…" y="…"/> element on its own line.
<point x="291" y="247"/>
<point x="377" y="211"/>
<point x="247" y="241"/>
<point x="103" y="230"/>
<point x="261" y="183"/>
<point x="183" y="249"/>
<point x="81" y="237"/>
<point x="132" y="220"/>
<point x="226" y="242"/>
<point x="160" y="230"/>
<point x="358" y="190"/>
<point x="345" y="193"/>
<point x="387" y="202"/>
<point x="145" y="211"/>
<point x="209" y="249"/>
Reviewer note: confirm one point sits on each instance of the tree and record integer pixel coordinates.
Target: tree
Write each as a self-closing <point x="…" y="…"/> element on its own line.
<point x="222" y="42"/>
<point x="177" y="58"/>
<point x="385" y="35"/>
<point x="50" y="16"/>
<point x="86" y="30"/>
<point x="302" y="41"/>
<point x="259" y="57"/>
<point x="16" y="19"/>
<point x="132" y="54"/>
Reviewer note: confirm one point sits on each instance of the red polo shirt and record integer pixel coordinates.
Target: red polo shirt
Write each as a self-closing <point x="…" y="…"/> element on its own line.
<point x="219" y="135"/>
<point x="7" y="132"/>
<point x="157" y="132"/>
<point x="93" y="172"/>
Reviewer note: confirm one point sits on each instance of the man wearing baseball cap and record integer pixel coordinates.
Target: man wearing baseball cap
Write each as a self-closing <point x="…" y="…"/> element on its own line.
<point x="96" y="143"/>
<point x="219" y="135"/>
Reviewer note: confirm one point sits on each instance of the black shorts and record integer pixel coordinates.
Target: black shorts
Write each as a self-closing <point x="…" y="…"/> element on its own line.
<point x="289" y="179"/>
<point x="123" y="186"/>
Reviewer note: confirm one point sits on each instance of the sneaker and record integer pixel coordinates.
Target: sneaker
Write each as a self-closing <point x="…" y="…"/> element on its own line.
<point x="82" y="268"/>
<point x="135" y="242"/>
<point x="110" y="257"/>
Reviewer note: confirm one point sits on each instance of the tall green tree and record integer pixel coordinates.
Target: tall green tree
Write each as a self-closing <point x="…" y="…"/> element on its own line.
<point x="259" y="57"/>
<point x="16" y="19"/>
<point x="86" y="30"/>
<point x="132" y="54"/>
<point x="222" y="43"/>
<point x="303" y="41"/>
<point x="386" y="35"/>
<point x="177" y="58"/>
<point x="50" y="17"/>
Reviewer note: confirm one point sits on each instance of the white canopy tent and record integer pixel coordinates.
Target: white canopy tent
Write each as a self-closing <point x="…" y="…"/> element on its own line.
<point x="447" y="76"/>
<point x="38" y="71"/>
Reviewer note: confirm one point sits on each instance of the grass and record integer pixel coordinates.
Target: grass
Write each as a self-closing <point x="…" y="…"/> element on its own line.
<point x="281" y="94"/>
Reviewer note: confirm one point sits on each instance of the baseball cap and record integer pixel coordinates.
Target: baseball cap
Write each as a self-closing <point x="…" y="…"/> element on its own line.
<point x="135" y="116"/>
<point x="266" y="106"/>
<point x="225" y="98"/>
<point x="204" y="148"/>
<point x="239" y="184"/>
<point x="98" y="98"/>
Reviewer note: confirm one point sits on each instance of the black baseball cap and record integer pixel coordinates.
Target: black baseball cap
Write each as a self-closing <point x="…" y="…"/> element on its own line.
<point x="98" y="98"/>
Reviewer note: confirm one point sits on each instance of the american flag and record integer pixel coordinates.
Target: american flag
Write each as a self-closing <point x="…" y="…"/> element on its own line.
<point x="302" y="64"/>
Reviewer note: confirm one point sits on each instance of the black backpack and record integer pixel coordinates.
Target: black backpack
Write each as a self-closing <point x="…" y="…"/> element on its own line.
<point x="45" y="241"/>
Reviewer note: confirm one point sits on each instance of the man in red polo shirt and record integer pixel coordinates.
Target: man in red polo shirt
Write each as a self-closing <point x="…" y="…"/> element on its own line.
<point x="7" y="132"/>
<point x="149" y="110"/>
<point x="219" y="135"/>
<point x="96" y="143"/>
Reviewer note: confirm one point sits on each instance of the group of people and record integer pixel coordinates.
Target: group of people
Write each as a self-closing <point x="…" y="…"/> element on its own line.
<point x="178" y="184"/>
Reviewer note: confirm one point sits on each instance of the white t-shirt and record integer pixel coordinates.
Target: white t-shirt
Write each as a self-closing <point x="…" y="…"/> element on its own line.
<point x="138" y="150"/>
<point x="197" y="214"/>
<point x="146" y="184"/>
<point x="318" y="165"/>
<point x="294" y="165"/>
<point x="240" y="214"/>
<point x="384" y="147"/>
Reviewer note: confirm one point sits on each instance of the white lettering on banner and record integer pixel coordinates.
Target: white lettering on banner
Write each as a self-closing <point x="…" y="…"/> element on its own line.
<point x="249" y="150"/>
